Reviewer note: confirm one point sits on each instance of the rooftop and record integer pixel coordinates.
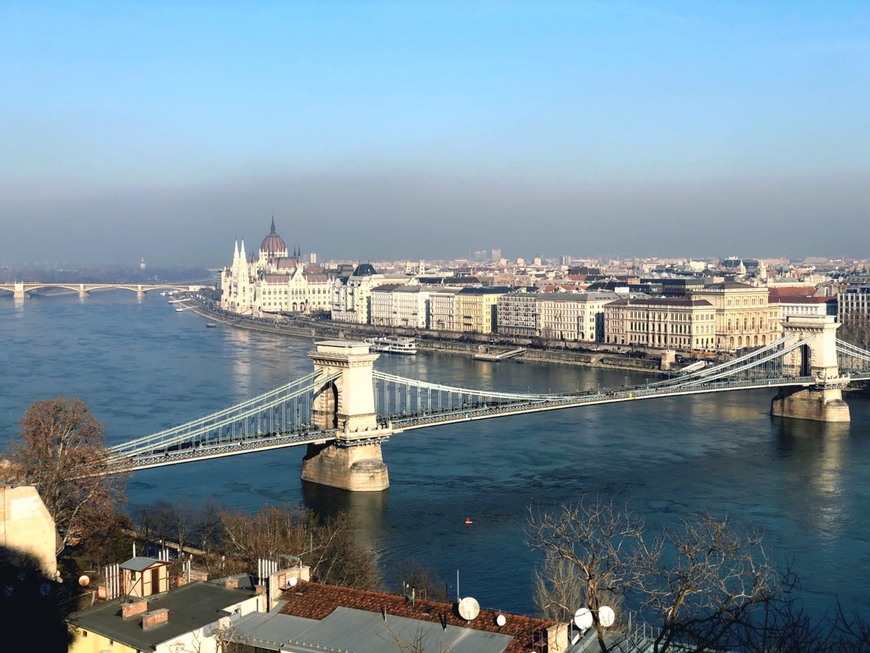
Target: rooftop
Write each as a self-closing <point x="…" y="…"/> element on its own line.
<point x="190" y="607"/>
<point x="431" y="619"/>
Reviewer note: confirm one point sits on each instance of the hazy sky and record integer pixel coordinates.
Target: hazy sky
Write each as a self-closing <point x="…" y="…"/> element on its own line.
<point x="166" y="130"/>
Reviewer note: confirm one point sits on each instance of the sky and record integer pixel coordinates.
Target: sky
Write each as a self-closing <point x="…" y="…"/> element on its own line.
<point x="167" y="130"/>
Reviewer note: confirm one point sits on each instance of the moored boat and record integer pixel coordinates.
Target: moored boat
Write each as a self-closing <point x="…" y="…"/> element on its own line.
<point x="392" y="345"/>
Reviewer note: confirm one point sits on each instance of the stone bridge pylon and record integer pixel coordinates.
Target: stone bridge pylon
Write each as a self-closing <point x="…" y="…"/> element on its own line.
<point x="353" y="461"/>
<point x="818" y="358"/>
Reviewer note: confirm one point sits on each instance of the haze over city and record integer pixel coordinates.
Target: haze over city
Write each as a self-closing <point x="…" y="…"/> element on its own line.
<point x="166" y="131"/>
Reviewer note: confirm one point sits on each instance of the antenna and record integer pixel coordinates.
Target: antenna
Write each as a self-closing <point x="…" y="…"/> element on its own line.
<point x="583" y="618"/>
<point x="606" y="616"/>
<point x="457" y="586"/>
<point x="468" y="608"/>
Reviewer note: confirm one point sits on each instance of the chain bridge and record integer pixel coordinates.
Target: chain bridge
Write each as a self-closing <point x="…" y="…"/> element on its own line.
<point x="344" y="410"/>
<point x="21" y="289"/>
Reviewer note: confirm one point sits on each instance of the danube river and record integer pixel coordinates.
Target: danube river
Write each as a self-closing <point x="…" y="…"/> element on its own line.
<point x="142" y="366"/>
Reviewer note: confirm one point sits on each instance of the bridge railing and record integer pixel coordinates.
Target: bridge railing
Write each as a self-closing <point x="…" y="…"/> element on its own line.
<point x="285" y="408"/>
<point x="397" y="396"/>
<point x="746" y="361"/>
<point x="852" y="359"/>
<point x="160" y="458"/>
<point x="484" y="411"/>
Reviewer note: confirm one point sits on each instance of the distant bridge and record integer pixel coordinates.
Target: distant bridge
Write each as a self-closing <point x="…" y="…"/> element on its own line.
<point x="344" y="409"/>
<point x="21" y="289"/>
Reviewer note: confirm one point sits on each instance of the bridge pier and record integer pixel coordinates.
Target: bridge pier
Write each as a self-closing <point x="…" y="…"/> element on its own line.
<point x="347" y="403"/>
<point x="817" y="358"/>
<point x="359" y="468"/>
<point x="817" y="404"/>
<point x="18" y="290"/>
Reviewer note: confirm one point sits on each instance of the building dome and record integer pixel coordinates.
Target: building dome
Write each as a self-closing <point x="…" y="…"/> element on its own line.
<point x="364" y="270"/>
<point x="273" y="243"/>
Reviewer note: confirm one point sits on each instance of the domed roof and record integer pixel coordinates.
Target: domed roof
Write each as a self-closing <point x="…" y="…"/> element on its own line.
<point x="273" y="243"/>
<point x="364" y="270"/>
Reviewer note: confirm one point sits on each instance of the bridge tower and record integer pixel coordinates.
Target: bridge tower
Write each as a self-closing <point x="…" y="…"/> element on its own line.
<point x="354" y="461"/>
<point x="818" y="358"/>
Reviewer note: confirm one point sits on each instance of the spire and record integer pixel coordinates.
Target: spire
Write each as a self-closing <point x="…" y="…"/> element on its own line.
<point x="236" y="252"/>
<point x="273" y="224"/>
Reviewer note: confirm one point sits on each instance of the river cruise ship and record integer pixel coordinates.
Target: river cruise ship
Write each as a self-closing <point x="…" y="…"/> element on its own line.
<point x="393" y="345"/>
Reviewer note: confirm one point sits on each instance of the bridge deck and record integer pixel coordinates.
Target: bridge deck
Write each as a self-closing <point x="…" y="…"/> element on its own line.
<point x="178" y="454"/>
<point x="283" y="417"/>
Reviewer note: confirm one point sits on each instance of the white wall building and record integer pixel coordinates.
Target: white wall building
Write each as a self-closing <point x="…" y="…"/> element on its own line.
<point x="400" y="306"/>
<point x="562" y="316"/>
<point x="273" y="282"/>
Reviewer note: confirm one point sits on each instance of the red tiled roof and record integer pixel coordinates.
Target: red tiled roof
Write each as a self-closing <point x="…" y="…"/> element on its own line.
<point x="317" y="601"/>
<point x="791" y="291"/>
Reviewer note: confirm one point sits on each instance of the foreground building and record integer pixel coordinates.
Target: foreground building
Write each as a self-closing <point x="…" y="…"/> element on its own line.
<point x="26" y="525"/>
<point x="317" y="617"/>
<point x="191" y="618"/>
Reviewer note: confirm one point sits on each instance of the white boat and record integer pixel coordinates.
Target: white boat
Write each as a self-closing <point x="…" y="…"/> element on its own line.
<point x="393" y="345"/>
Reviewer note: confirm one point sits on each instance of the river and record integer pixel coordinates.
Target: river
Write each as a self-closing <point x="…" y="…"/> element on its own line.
<point x="142" y="366"/>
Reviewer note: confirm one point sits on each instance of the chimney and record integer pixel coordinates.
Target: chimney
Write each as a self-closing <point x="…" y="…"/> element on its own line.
<point x="131" y="609"/>
<point x="155" y="618"/>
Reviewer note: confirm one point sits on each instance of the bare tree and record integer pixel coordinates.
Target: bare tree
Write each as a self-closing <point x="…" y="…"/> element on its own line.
<point x="328" y="547"/>
<point x="707" y="584"/>
<point x="423" y="580"/>
<point x="61" y="451"/>
<point x="558" y="589"/>
<point x="856" y="329"/>
<point x="598" y="542"/>
<point x="704" y="587"/>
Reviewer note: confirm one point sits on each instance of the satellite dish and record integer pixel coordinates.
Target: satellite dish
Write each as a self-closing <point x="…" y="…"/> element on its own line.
<point x="583" y="618"/>
<point x="606" y="616"/>
<point x="84" y="581"/>
<point x="468" y="608"/>
<point x="500" y="620"/>
<point x="293" y="581"/>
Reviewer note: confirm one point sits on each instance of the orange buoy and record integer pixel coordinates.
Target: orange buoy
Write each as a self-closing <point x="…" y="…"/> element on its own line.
<point x="468" y="521"/>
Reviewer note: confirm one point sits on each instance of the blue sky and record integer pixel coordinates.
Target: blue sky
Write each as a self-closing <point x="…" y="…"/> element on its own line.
<point x="165" y="130"/>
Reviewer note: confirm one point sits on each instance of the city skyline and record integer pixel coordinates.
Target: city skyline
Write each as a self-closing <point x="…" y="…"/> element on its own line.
<point x="430" y="130"/>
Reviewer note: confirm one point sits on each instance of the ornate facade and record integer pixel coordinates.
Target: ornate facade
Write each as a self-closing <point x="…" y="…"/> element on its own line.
<point x="744" y="318"/>
<point x="679" y="323"/>
<point x="272" y="281"/>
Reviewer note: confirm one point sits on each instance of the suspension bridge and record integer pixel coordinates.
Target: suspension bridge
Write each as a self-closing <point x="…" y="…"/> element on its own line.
<point x="345" y="409"/>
